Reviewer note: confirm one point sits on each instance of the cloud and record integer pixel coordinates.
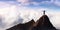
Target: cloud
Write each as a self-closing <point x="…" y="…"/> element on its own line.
<point x="12" y="12"/>
<point x="7" y="0"/>
<point x="34" y="2"/>
<point x="23" y="1"/>
<point x="39" y="2"/>
<point x="56" y="2"/>
<point x="8" y="13"/>
<point x="55" y="19"/>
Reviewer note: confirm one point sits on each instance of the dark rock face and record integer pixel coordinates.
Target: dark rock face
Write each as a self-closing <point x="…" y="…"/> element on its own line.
<point x="42" y="24"/>
<point x="25" y="26"/>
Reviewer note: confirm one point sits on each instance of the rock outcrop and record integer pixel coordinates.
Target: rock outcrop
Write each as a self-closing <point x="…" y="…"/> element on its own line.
<point x="42" y="24"/>
<point x="25" y="26"/>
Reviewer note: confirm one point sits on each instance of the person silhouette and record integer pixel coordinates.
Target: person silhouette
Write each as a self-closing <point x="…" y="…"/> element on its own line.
<point x="44" y="12"/>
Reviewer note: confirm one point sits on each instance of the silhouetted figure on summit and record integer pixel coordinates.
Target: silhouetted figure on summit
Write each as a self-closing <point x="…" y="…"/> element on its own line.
<point x="44" y="12"/>
<point x="43" y="23"/>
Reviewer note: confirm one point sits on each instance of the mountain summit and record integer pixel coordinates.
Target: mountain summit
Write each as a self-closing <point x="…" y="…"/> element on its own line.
<point x="43" y="23"/>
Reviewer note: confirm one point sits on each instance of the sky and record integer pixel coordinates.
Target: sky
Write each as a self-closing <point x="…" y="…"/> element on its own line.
<point x="13" y="12"/>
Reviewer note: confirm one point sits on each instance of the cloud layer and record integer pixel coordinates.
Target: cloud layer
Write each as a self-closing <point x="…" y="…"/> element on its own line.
<point x="11" y="12"/>
<point x="39" y="2"/>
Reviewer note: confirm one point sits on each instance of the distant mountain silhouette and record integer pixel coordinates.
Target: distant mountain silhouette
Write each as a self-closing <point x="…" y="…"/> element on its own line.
<point x="42" y="24"/>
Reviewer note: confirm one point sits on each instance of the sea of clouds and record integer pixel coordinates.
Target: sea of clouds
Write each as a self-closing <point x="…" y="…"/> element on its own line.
<point x="12" y="14"/>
